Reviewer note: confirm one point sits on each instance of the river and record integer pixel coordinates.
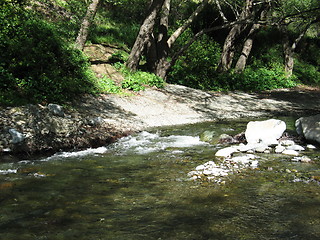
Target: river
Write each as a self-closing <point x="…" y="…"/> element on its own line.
<point x="138" y="188"/>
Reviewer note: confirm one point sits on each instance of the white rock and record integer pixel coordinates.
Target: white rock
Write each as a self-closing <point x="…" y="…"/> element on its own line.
<point x="261" y="148"/>
<point x="200" y="167"/>
<point x="303" y="159"/>
<point x="267" y="132"/>
<point x="296" y="147"/>
<point x="286" y="142"/>
<point x="226" y="152"/>
<point x="279" y="149"/>
<point x="254" y="164"/>
<point x="310" y="146"/>
<point x="290" y="152"/>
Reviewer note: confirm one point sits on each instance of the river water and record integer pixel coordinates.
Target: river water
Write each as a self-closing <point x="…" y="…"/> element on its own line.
<point x="138" y="188"/>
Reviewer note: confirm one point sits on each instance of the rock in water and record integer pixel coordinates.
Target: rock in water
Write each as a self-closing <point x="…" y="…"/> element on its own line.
<point x="266" y="132"/>
<point x="309" y="127"/>
<point x="226" y="152"/>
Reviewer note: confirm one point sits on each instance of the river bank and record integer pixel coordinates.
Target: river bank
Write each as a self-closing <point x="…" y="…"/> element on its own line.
<point x="96" y="121"/>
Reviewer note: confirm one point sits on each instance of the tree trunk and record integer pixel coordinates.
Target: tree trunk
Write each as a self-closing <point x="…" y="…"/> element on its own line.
<point x="145" y="33"/>
<point x="289" y="49"/>
<point x="228" y="50"/>
<point x="86" y="23"/>
<point x="247" y="46"/>
<point x="165" y="44"/>
<point x="158" y="48"/>
<point x="187" y="23"/>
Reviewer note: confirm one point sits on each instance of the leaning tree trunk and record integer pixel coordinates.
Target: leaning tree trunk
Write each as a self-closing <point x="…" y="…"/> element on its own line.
<point x="228" y="50"/>
<point x="86" y="23"/>
<point x="247" y="46"/>
<point x="144" y="35"/>
<point x="289" y="49"/>
<point x="164" y="46"/>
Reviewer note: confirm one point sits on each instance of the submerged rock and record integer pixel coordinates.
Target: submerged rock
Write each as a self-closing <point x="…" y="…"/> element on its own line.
<point x="213" y="172"/>
<point x="207" y="136"/>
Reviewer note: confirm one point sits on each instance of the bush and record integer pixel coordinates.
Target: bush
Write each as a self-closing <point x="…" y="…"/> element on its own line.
<point x="197" y="67"/>
<point x="307" y="73"/>
<point x="36" y="64"/>
<point x="137" y="81"/>
<point x="107" y="85"/>
<point x="260" y="79"/>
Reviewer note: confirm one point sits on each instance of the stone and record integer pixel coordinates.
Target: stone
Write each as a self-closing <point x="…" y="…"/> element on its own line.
<point x="290" y="152"/>
<point x="267" y="132"/>
<point x="303" y="159"/>
<point x="279" y="149"/>
<point x="96" y="121"/>
<point x="226" y="152"/>
<point x="56" y="109"/>
<point x="286" y="142"/>
<point x="296" y="147"/>
<point x="225" y="138"/>
<point x="309" y="127"/>
<point x="261" y="148"/>
<point x="310" y="146"/>
<point x="17" y="137"/>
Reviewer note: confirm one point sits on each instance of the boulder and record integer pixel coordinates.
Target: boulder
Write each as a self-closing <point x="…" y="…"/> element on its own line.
<point x="266" y="132"/>
<point x="309" y="127"/>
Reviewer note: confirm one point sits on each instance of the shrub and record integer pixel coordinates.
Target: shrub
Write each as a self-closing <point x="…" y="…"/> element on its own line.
<point x="307" y="73"/>
<point x="107" y="85"/>
<point x="197" y="67"/>
<point x="36" y="64"/>
<point x="138" y="80"/>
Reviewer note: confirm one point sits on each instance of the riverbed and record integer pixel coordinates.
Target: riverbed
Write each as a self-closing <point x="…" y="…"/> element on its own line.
<point x="139" y="188"/>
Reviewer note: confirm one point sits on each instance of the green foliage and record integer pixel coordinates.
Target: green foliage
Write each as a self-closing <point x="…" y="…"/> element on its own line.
<point x="259" y="79"/>
<point x="197" y="67"/>
<point x="139" y="80"/>
<point x="36" y="64"/>
<point x="107" y="85"/>
<point x="307" y="73"/>
<point x="119" y="56"/>
<point x="114" y="33"/>
<point x="127" y="11"/>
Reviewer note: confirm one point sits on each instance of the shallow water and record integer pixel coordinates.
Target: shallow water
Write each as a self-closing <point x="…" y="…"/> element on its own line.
<point x="138" y="188"/>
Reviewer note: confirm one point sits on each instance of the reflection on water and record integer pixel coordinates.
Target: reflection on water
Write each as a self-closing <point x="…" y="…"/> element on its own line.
<point x="138" y="188"/>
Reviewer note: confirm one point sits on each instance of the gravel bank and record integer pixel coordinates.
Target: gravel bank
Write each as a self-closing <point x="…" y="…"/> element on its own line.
<point x="95" y="121"/>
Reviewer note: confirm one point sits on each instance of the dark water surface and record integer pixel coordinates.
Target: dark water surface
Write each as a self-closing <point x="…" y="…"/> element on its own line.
<point x="138" y="188"/>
